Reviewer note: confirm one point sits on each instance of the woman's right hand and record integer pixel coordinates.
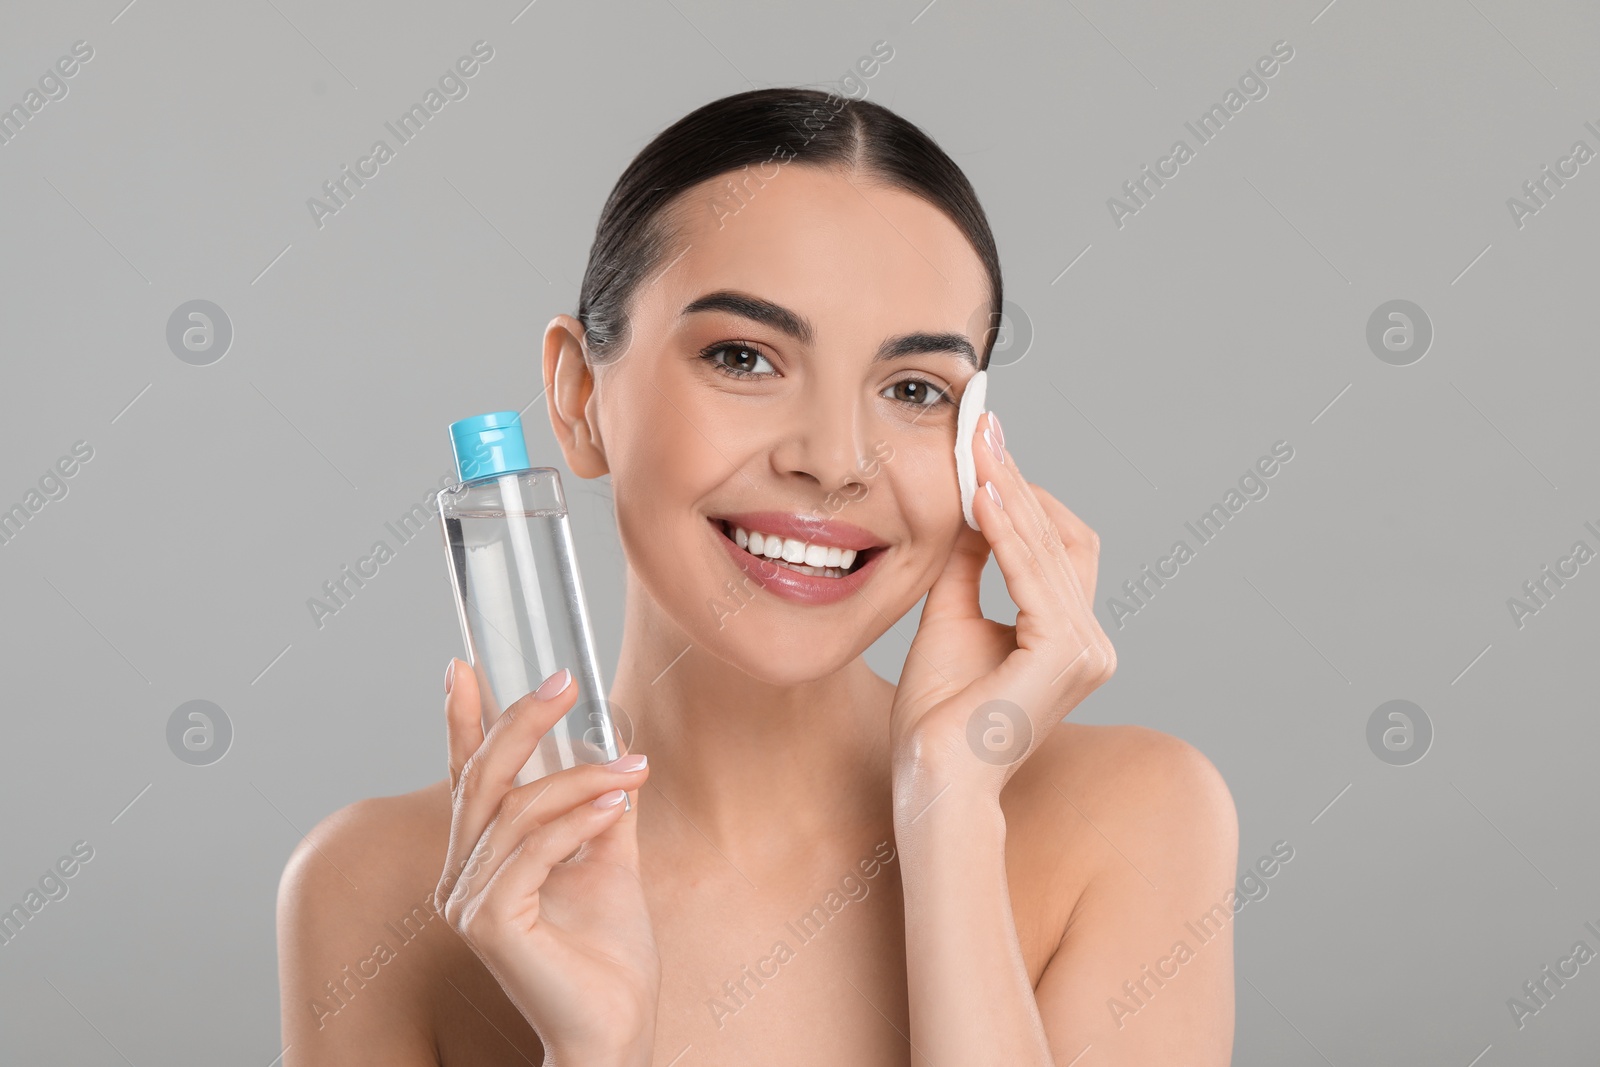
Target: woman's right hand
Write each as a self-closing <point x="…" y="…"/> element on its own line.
<point x="544" y="885"/>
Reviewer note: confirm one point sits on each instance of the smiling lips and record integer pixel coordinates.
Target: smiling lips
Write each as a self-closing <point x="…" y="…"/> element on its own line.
<point x="801" y="558"/>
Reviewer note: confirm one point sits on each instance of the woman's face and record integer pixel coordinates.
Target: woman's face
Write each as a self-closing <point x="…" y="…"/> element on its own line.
<point x="795" y="367"/>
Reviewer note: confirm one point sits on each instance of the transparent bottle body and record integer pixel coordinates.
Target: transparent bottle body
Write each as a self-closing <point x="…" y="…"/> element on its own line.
<point x="519" y="597"/>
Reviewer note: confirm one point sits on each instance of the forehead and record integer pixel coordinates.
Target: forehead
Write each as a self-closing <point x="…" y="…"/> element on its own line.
<point x="853" y="255"/>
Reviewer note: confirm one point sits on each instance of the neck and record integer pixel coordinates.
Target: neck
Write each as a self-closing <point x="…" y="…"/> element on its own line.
<point x="758" y="769"/>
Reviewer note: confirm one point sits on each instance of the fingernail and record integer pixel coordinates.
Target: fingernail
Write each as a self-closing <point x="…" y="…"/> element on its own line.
<point x="994" y="494"/>
<point x="610" y="800"/>
<point x="624" y="764"/>
<point x="994" y="446"/>
<point x="994" y="420"/>
<point x="450" y="675"/>
<point x="553" y="685"/>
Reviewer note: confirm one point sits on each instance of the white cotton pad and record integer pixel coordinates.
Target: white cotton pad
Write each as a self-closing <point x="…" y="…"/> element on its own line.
<point x="966" y="422"/>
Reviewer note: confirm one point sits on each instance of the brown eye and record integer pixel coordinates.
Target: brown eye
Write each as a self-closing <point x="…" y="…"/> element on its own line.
<point x="918" y="393"/>
<point x="743" y="363"/>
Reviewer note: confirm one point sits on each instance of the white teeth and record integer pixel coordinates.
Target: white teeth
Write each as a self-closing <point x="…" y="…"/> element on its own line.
<point x="829" y="560"/>
<point x="826" y="572"/>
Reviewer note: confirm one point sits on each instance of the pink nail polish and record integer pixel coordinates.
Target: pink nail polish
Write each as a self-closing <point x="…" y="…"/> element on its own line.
<point x="554" y="685"/>
<point x="634" y="762"/>
<point x="994" y="447"/>
<point x="450" y="675"/>
<point x="994" y="494"/>
<point x="994" y="420"/>
<point x="611" y="799"/>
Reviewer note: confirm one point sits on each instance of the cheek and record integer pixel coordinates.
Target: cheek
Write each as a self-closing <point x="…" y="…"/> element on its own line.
<point x="669" y="461"/>
<point x="922" y="478"/>
<point x="666" y="461"/>
<point x="659" y="445"/>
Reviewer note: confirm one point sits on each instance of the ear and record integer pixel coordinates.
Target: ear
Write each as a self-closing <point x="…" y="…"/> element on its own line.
<point x="569" y="395"/>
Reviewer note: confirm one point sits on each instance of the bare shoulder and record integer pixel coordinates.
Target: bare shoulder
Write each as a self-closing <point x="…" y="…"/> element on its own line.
<point x="358" y="936"/>
<point x="381" y="850"/>
<point x="1110" y="807"/>
<point x="1134" y="771"/>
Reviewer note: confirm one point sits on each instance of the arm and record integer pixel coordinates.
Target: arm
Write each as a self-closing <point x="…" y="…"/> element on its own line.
<point x="976" y="701"/>
<point x="971" y="999"/>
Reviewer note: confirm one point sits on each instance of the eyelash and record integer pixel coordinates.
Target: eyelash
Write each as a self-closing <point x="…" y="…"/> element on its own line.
<point x="710" y="353"/>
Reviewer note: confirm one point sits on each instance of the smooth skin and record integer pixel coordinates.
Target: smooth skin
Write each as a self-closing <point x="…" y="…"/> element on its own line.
<point x="1028" y="912"/>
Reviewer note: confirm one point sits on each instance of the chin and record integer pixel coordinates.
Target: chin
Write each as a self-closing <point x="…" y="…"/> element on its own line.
<point x="776" y="652"/>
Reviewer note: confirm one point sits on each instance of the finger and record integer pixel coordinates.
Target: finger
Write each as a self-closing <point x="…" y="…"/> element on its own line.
<point x="1082" y="549"/>
<point x="1028" y="516"/>
<point x="510" y="741"/>
<point x="619" y="842"/>
<point x="1086" y="642"/>
<point x="528" y="807"/>
<point x="512" y="892"/>
<point x="1055" y="639"/>
<point x="1030" y="586"/>
<point x="463" y="716"/>
<point x="492" y="769"/>
<point x="1082" y="543"/>
<point x="1093" y="658"/>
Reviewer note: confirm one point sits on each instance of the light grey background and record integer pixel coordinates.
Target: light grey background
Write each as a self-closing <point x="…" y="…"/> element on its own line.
<point x="1228" y="314"/>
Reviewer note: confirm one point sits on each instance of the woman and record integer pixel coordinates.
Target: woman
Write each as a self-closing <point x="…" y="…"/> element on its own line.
<point x="787" y="295"/>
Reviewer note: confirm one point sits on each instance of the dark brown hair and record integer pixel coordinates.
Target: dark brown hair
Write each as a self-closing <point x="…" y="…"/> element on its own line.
<point x="760" y="126"/>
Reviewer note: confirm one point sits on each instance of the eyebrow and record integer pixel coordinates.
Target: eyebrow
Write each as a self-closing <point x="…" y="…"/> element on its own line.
<point x="798" y="327"/>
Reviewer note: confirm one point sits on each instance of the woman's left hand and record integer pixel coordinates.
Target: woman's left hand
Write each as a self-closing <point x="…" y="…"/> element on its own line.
<point x="977" y="696"/>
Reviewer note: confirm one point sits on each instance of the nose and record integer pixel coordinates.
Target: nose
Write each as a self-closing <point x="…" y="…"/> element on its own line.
<point x="822" y="441"/>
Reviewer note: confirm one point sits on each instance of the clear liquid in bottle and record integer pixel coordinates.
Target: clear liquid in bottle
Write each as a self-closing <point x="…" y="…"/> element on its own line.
<point x="518" y="591"/>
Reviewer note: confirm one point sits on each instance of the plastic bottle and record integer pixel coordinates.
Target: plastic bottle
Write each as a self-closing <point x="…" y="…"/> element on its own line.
<point x="518" y="592"/>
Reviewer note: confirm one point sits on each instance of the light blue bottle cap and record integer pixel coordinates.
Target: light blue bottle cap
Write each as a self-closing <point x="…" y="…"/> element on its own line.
<point x="489" y="444"/>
